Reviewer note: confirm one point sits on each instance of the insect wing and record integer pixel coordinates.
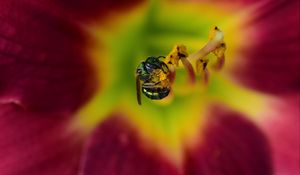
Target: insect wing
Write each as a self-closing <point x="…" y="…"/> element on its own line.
<point x="138" y="89"/>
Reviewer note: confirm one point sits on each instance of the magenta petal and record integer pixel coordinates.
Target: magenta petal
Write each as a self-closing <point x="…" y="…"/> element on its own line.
<point x="231" y="146"/>
<point x="282" y="127"/>
<point x="36" y="144"/>
<point x="272" y="64"/>
<point x="43" y="65"/>
<point x="115" y="149"/>
<point x="91" y="9"/>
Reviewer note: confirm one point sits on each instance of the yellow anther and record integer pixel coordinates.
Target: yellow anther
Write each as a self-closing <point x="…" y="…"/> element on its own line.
<point x="201" y="65"/>
<point x="219" y="51"/>
<point x="216" y="34"/>
<point x="178" y="52"/>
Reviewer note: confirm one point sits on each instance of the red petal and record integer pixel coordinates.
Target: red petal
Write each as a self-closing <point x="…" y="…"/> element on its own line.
<point x="115" y="149"/>
<point x="272" y="64"/>
<point x="282" y="127"/>
<point x="43" y="65"/>
<point x="231" y="146"/>
<point x="36" y="144"/>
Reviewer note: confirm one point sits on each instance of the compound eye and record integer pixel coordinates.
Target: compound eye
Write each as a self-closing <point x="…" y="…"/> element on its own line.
<point x="139" y="69"/>
<point x="152" y="63"/>
<point x="151" y="66"/>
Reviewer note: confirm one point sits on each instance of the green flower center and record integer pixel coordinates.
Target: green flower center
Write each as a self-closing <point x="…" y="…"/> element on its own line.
<point x="152" y="29"/>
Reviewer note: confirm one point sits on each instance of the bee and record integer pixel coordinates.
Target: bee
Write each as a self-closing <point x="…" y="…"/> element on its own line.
<point x="155" y="75"/>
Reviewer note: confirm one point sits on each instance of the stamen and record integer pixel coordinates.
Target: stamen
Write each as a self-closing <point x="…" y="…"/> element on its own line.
<point x="172" y="73"/>
<point x="189" y="68"/>
<point x="201" y="68"/>
<point x="215" y="40"/>
<point x="179" y="52"/>
<point x="220" y="54"/>
<point x="215" y="45"/>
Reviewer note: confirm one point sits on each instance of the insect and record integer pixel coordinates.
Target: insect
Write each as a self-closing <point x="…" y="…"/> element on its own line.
<point x="155" y="75"/>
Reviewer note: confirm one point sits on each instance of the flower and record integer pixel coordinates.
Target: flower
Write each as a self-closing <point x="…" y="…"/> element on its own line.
<point x="67" y="92"/>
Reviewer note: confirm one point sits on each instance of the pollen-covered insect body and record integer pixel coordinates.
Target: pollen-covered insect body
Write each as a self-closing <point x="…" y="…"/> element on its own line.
<point x="152" y="79"/>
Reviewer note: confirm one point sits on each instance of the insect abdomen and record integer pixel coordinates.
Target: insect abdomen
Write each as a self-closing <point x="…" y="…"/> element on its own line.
<point x="156" y="93"/>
